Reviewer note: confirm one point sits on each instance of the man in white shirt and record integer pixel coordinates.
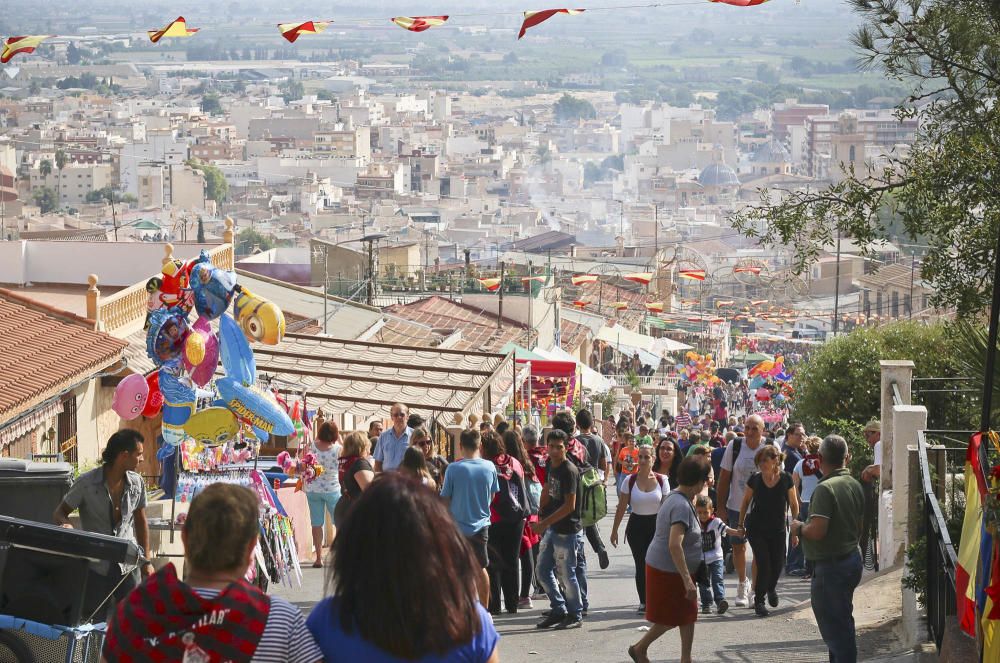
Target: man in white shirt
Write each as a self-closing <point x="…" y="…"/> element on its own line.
<point x="873" y="435"/>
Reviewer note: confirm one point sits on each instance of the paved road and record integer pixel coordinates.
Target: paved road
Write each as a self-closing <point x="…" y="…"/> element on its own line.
<point x="612" y="624"/>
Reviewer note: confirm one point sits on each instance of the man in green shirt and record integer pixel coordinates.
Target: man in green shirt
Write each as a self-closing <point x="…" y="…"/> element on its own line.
<point x="830" y="541"/>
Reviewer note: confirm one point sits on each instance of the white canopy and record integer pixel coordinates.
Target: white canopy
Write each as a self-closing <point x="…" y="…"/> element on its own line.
<point x="629" y="342"/>
<point x="592" y="380"/>
<point x="665" y="346"/>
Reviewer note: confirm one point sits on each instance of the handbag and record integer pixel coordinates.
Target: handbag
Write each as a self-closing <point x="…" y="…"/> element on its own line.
<point x="700" y="575"/>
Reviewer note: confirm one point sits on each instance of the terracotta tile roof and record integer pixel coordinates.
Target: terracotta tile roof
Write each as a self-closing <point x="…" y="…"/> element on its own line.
<point x="399" y="331"/>
<point x="573" y="334"/>
<point x="44" y="350"/>
<point x="479" y="328"/>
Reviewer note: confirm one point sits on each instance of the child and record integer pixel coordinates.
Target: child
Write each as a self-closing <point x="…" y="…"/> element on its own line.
<point x="712" y="529"/>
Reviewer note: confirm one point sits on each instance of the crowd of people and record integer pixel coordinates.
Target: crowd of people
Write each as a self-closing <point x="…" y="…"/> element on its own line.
<point x="508" y="522"/>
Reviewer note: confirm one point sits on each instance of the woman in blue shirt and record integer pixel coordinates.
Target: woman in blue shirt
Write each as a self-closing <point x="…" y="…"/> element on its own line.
<point x="404" y="611"/>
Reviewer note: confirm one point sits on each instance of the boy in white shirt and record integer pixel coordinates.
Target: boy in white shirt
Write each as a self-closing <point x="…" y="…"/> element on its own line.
<point x="712" y="529"/>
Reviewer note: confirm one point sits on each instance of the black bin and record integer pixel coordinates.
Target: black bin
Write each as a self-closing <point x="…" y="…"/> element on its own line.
<point x="32" y="490"/>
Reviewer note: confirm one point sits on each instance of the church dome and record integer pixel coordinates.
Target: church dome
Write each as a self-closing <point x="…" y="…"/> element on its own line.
<point x="718" y="174"/>
<point x="771" y="152"/>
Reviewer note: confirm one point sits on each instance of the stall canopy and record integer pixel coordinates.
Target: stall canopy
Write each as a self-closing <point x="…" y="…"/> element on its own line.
<point x="590" y="379"/>
<point x="629" y="342"/>
<point x="521" y="352"/>
<point x="665" y="346"/>
<point x="553" y="383"/>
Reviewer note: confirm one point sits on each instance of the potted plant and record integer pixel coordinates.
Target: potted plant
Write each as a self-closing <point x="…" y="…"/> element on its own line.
<point x="633" y="380"/>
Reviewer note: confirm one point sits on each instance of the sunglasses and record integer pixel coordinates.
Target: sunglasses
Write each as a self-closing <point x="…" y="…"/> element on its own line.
<point x="398" y="414"/>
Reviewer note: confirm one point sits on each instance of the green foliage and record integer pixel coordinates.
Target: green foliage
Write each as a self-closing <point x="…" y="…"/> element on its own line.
<point x="45" y="198"/>
<point x="216" y="186"/>
<point x="841" y="379"/>
<point x="45" y="168"/>
<point x="861" y="453"/>
<point x="108" y="194"/>
<point x="210" y="104"/>
<point x="292" y="90"/>
<point x="570" y="109"/>
<point x="615" y="58"/>
<point x="943" y="189"/>
<point x="247" y="241"/>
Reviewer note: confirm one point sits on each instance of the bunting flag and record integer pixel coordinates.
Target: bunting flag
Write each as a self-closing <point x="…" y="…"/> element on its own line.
<point x="695" y="320"/>
<point x="581" y="279"/>
<point x="178" y="28"/>
<point x="654" y="307"/>
<point x="529" y="279"/>
<point x="292" y="31"/>
<point x="717" y="321"/>
<point x="418" y="23"/>
<point x="758" y="302"/>
<point x="581" y="303"/>
<point x="619" y="306"/>
<point x="14" y="45"/>
<point x="724" y="304"/>
<point x="639" y="277"/>
<point x="693" y="274"/>
<point x="740" y="3"/>
<point x="972" y="536"/>
<point x="689" y="302"/>
<point x="533" y="18"/>
<point x="492" y="285"/>
<point x="747" y="269"/>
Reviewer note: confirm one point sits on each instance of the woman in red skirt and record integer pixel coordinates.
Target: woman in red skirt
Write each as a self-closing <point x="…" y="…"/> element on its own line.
<point x="672" y="559"/>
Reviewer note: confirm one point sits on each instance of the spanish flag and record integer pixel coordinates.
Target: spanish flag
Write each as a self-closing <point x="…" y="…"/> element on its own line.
<point x="529" y="279"/>
<point x="533" y="18"/>
<point x="747" y="269"/>
<point x="419" y="23"/>
<point x="177" y="28"/>
<point x="491" y="285"/>
<point x="14" y="45"/>
<point x="580" y="279"/>
<point x="758" y="302"/>
<point x="639" y="277"/>
<point x="619" y="306"/>
<point x="654" y="307"/>
<point x="292" y="31"/>
<point x="972" y="537"/>
<point x="581" y="303"/>
<point x="693" y="274"/>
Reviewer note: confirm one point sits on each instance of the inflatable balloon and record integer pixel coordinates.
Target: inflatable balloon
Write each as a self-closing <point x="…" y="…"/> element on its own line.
<point x="212" y="426"/>
<point x="194" y="349"/>
<point x="212" y="287"/>
<point x="154" y="402"/>
<point x="254" y="406"/>
<point x="175" y="285"/>
<point x="237" y="358"/>
<point x="168" y="330"/>
<point x="261" y="320"/>
<point x="178" y="406"/>
<point x="130" y="396"/>
<point x="202" y="373"/>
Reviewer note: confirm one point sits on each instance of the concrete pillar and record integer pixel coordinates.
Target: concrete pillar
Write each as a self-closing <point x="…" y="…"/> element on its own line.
<point x="899" y="372"/>
<point x="893" y="526"/>
<point x="93" y="296"/>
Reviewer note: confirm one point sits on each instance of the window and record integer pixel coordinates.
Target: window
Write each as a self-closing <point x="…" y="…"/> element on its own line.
<point x="66" y="429"/>
<point x="851" y="154"/>
<point x="895" y="304"/>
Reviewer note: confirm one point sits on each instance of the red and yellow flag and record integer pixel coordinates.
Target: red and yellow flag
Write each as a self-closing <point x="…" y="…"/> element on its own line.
<point x="747" y="269"/>
<point x="581" y="303"/>
<point x="758" y="302"/>
<point x="639" y="277"/>
<point x="492" y="284"/>
<point x="292" y="31"/>
<point x="693" y="274"/>
<point x="529" y="279"/>
<point x="724" y="304"/>
<point x="972" y="535"/>
<point x="14" y="45"/>
<point x="619" y="306"/>
<point x="580" y="279"/>
<point x="654" y="307"/>
<point x="533" y="18"/>
<point x="419" y="23"/>
<point x="178" y="28"/>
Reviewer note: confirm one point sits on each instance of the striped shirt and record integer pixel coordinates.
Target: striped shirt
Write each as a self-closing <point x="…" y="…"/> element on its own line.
<point x="682" y="420"/>
<point x="286" y="638"/>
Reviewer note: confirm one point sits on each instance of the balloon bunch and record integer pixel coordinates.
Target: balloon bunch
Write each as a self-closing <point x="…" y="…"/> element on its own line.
<point x="771" y="369"/>
<point x="187" y="355"/>
<point x="699" y="368"/>
<point x="304" y="465"/>
<point x="744" y="344"/>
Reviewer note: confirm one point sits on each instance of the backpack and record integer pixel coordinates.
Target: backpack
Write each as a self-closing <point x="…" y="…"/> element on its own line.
<point x="595" y="497"/>
<point x="659" y="479"/>
<point x="510" y="504"/>
<point x="534" y="497"/>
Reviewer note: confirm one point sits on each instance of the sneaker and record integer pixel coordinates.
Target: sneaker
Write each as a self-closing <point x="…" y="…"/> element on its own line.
<point x="641" y="610"/>
<point x="706" y="609"/>
<point x="796" y="573"/>
<point x="551" y="620"/>
<point x="525" y="602"/>
<point x="570" y="621"/>
<point x="741" y="595"/>
<point x="602" y="557"/>
<point x="539" y="596"/>
<point x="772" y="598"/>
<point x="760" y="609"/>
<point x="722" y="607"/>
<point x="747" y="590"/>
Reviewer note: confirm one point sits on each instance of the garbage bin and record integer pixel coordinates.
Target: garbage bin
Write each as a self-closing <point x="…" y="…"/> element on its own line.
<point x="32" y="490"/>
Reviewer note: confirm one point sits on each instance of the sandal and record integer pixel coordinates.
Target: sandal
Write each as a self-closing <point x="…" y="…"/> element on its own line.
<point x="317" y="565"/>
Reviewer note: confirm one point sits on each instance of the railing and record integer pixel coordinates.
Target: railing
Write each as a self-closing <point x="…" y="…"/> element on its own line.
<point x="127" y="308"/>
<point x="651" y="381"/>
<point x="941" y="559"/>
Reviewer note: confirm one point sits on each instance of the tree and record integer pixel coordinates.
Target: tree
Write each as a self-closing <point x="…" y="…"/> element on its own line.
<point x="570" y="109"/>
<point x="108" y="194"/>
<point x="45" y="168"/>
<point x="45" y="198"/>
<point x="292" y="90"/>
<point x="840" y="379"/>
<point x="944" y="189"/>
<point x="615" y="58"/>
<point x="247" y="241"/>
<point x="61" y="160"/>
<point x="210" y="104"/>
<point x="768" y="74"/>
<point x="216" y="186"/>
<point x="201" y="231"/>
<point x="73" y="54"/>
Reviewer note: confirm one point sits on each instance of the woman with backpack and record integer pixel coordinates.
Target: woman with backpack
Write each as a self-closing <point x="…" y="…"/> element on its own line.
<point x="515" y="443"/>
<point x="508" y="513"/>
<point x="644" y="492"/>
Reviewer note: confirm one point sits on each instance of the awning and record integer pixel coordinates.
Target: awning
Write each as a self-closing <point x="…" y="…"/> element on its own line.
<point x="629" y="342"/>
<point x="591" y="379"/>
<point x="664" y="345"/>
<point x="29" y="421"/>
<point x="521" y="352"/>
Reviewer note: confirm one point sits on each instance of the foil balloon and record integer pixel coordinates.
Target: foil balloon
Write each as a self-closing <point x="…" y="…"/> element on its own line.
<point x="168" y="330"/>
<point x="130" y="396"/>
<point x="154" y="403"/>
<point x="260" y="319"/>
<point x="175" y="285"/>
<point x="202" y="373"/>
<point x="212" y="287"/>
<point x="212" y="426"/>
<point x="178" y="406"/>
<point x="237" y="357"/>
<point x="194" y="349"/>
<point x="254" y="406"/>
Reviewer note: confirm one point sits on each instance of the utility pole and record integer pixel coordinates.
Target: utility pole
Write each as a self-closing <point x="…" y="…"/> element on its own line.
<point x="836" y="290"/>
<point x="531" y="307"/>
<point x="500" y="312"/>
<point x="913" y="267"/>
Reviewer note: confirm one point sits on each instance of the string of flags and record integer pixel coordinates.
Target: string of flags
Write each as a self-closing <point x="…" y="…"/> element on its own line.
<point x="292" y="30"/>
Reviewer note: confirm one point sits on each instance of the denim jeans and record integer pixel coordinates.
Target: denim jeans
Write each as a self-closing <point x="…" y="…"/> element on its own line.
<point x="581" y="567"/>
<point x="832" y="594"/>
<point x="796" y="560"/>
<point x="557" y="555"/>
<point x="718" y="587"/>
